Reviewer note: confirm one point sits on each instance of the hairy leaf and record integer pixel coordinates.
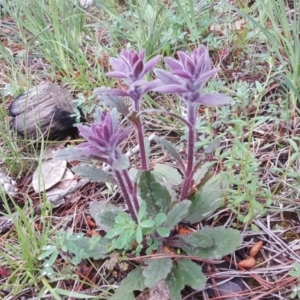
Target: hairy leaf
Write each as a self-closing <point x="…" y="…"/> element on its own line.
<point x="147" y="148"/>
<point x="115" y="101"/>
<point x="200" y="172"/>
<point x="106" y="219"/>
<point x="93" y="174"/>
<point x="71" y="294"/>
<point x="154" y="194"/>
<point x="134" y="281"/>
<point x="134" y="174"/>
<point x="69" y="154"/>
<point x="175" y="282"/>
<point x="197" y="239"/>
<point x="121" y="163"/>
<point x="192" y="274"/>
<point x="83" y="247"/>
<point x="104" y="214"/>
<point x="156" y="270"/>
<point x="168" y="146"/>
<point x="225" y="241"/>
<point x="213" y="145"/>
<point x="177" y="213"/>
<point x="169" y="173"/>
<point x="205" y="201"/>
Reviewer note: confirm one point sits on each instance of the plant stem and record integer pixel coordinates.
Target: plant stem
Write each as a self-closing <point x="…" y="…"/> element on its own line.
<point x="188" y="176"/>
<point x="133" y="191"/>
<point x="136" y="120"/>
<point x="136" y="96"/>
<point x="140" y="133"/>
<point x="126" y="195"/>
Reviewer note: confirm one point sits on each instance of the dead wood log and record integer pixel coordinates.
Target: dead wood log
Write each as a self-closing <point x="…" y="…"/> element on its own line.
<point x="43" y="110"/>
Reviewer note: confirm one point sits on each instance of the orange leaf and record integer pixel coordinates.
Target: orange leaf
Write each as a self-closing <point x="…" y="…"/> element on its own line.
<point x="90" y="222"/>
<point x="92" y="233"/>
<point x="183" y="230"/>
<point x="247" y="263"/>
<point x="167" y="250"/>
<point x="255" y="249"/>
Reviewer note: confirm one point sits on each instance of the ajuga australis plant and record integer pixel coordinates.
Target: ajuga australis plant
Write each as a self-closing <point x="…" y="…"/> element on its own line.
<point x="154" y="208"/>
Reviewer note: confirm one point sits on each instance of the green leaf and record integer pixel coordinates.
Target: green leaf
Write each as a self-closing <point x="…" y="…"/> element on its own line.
<point x="197" y="239"/>
<point x="296" y="271"/>
<point x="163" y="232"/>
<point x="168" y="146"/>
<point x="177" y="213"/>
<point x="47" y="253"/>
<point x="114" y="232"/>
<point x="191" y="273"/>
<point x="142" y="211"/>
<point x="49" y="262"/>
<point x="175" y="283"/>
<point x="156" y="270"/>
<point x="93" y="174"/>
<point x="75" y="236"/>
<point x="72" y="247"/>
<point x="139" y="235"/>
<point x="147" y="224"/>
<point x="225" y="241"/>
<point x="134" y="281"/>
<point x="160" y="218"/>
<point x="294" y="145"/>
<point x="154" y="194"/>
<point x="169" y="173"/>
<point x="122" y="240"/>
<point x="206" y="201"/>
<point x="49" y="247"/>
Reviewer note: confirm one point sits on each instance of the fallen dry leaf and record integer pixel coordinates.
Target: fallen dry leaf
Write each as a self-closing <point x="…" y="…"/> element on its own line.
<point x="48" y="174"/>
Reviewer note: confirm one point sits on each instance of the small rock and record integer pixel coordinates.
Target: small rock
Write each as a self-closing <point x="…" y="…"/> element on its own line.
<point x="7" y="184"/>
<point x="86" y="3"/>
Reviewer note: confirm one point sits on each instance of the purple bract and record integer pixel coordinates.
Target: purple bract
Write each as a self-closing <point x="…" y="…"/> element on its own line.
<point x="131" y="67"/>
<point x="102" y="138"/>
<point x="188" y="75"/>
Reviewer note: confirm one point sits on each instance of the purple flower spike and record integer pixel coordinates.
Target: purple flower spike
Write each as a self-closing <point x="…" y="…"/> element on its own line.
<point x="102" y="139"/>
<point x="187" y="77"/>
<point x="130" y="66"/>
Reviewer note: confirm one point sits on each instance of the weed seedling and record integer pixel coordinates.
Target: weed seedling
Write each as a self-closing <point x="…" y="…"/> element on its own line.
<point x="153" y="214"/>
